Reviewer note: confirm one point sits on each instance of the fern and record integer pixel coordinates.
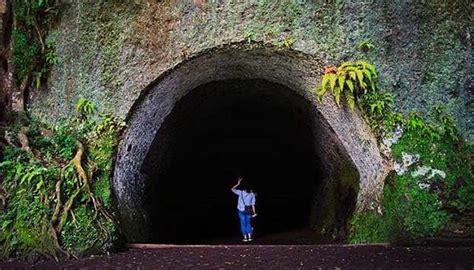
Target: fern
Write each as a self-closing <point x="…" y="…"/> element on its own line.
<point x="286" y="42"/>
<point x="350" y="80"/>
<point x="249" y="35"/>
<point x="85" y="107"/>
<point x="366" y="45"/>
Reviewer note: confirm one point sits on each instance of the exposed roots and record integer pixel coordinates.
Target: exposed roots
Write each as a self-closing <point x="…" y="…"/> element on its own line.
<point x="57" y="192"/>
<point x="54" y="236"/>
<point x="62" y="209"/>
<point x="67" y="208"/>
<point x="84" y="179"/>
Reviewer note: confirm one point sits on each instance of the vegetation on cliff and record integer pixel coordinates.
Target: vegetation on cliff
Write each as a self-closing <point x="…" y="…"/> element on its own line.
<point x="434" y="192"/>
<point x="58" y="183"/>
<point x="32" y="52"/>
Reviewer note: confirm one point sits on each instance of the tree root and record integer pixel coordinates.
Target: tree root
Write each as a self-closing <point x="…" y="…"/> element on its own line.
<point x="54" y="236"/>
<point x="57" y="208"/>
<point x="63" y="209"/>
<point x="85" y="179"/>
<point x="67" y="208"/>
<point x="76" y="162"/>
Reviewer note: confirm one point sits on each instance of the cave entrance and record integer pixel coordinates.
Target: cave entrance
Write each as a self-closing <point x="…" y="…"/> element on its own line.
<point x="242" y="111"/>
<point x="261" y="131"/>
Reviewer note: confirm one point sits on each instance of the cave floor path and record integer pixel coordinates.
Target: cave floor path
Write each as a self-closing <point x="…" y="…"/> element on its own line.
<point x="270" y="257"/>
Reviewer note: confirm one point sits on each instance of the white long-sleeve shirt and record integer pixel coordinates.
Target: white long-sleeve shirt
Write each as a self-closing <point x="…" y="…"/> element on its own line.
<point x="245" y="199"/>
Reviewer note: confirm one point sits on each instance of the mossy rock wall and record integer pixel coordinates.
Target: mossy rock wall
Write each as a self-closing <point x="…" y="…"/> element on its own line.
<point x="111" y="50"/>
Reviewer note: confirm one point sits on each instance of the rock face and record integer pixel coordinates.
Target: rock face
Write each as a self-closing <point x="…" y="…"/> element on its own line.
<point x="138" y="60"/>
<point x="111" y="51"/>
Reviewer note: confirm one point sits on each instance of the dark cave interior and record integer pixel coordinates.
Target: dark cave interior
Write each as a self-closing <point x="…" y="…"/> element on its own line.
<point x="256" y="129"/>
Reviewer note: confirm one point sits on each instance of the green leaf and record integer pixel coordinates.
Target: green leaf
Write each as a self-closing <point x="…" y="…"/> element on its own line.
<point x="40" y="184"/>
<point x="5" y="163"/>
<point x="332" y="80"/>
<point x="19" y="168"/>
<point x="346" y="64"/>
<point x="341" y="79"/>
<point x="337" y="95"/>
<point x="368" y="75"/>
<point x="6" y="223"/>
<point x="37" y="80"/>
<point x="372" y="85"/>
<point x="350" y="84"/>
<point x="364" y="86"/>
<point x="365" y="65"/>
<point x="353" y="75"/>
<point x="372" y="107"/>
<point x="325" y="81"/>
<point x="319" y="91"/>
<point x="350" y="99"/>
<point x="360" y="77"/>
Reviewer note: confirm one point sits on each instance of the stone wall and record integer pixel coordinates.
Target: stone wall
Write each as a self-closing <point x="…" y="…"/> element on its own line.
<point x="111" y="50"/>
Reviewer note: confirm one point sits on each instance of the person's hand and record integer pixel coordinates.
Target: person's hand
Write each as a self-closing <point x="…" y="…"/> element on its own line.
<point x="240" y="180"/>
<point x="254" y="215"/>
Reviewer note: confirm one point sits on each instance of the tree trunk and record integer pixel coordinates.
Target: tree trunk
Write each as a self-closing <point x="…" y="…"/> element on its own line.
<point x="6" y="75"/>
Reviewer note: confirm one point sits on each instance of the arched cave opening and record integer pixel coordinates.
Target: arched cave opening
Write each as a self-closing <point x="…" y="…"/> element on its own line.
<point x="262" y="131"/>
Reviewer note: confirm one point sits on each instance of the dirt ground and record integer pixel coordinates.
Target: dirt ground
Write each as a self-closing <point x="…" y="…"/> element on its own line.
<point x="253" y="256"/>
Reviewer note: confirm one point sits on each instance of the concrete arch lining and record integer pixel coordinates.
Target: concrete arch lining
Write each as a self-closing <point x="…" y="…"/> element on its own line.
<point x="344" y="131"/>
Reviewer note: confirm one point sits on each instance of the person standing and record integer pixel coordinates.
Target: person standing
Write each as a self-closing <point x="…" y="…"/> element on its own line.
<point x="245" y="207"/>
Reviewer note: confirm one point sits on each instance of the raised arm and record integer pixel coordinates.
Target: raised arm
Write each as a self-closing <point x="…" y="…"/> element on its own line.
<point x="234" y="188"/>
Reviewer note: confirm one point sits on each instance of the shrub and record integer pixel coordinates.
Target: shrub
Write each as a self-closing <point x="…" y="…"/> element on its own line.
<point x="350" y="80"/>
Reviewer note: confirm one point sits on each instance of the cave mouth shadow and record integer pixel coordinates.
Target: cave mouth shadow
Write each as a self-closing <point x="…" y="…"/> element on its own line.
<point x="256" y="129"/>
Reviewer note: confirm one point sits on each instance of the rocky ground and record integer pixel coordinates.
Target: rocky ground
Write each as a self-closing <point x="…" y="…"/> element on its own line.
<point x="270" y="257"/>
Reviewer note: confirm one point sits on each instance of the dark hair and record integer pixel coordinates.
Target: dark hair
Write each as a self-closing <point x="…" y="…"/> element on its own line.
<point x="246" y="186"/>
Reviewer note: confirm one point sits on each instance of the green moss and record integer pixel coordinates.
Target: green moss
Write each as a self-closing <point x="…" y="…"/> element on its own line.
<point x="32" y="54"/>
<point x="103" y="28"/>
<point x="415" y="207"/>
<point x="348" y="177"/>
<point x="409" y="213"/>
<point x="83" y="236"/>
<point x="24" y="53"/>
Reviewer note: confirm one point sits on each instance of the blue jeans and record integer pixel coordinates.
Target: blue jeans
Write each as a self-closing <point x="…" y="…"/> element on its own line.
<point x="245" y="225"/>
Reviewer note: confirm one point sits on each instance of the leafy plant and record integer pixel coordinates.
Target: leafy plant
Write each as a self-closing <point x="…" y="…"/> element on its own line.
<point x="378" y="103"/>
<point x="249" y="35"/>
<point x="287" y="42"/>
<point x="51" y="57"/>
<point x="447" y="123"/>
<point x="415" y="123"/>
<point x="33" y="56"/>
<point x="85" y="107"/>
<point x="350" y="80"/>
<point x="366" y="45"/>
<point x="377" y="107"/>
